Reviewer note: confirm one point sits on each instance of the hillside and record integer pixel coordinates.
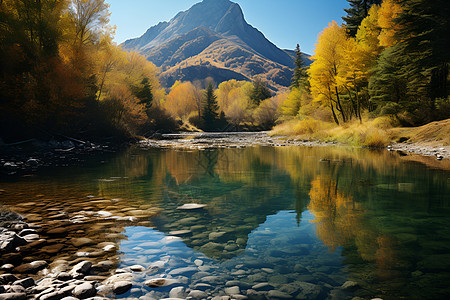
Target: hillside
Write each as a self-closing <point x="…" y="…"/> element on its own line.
<point x="213" y="36"/>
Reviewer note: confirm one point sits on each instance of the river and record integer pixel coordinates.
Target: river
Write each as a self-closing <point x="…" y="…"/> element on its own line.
<point x="290" y="222"/>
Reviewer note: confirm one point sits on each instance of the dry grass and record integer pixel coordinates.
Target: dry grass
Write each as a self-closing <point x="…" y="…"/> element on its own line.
<point x="434" y="133"/>
<point x="307" y="128"/>
<point x="370" y="133"/>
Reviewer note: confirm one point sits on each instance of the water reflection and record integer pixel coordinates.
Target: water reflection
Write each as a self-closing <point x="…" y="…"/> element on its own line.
<point x="317" y="216"/>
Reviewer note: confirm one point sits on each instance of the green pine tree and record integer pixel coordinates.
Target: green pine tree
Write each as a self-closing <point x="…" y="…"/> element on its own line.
<point x="210" y="109"/>
<point x="144" y="93"/>
<point x="387" y="86"/>
<point x="300" y="78"/>
<point x="359" y="9"/>
<point x="259" y="92"/>
<point x="424" y="48"/>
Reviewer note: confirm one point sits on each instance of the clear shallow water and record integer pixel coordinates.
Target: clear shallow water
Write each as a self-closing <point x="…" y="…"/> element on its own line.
<point x="303" y="220"/>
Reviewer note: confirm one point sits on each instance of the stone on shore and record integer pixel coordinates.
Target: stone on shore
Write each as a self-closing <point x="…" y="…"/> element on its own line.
<point x="84" y="290"/>
<point x="13" y="296"/>
<point x="31" y="268"/>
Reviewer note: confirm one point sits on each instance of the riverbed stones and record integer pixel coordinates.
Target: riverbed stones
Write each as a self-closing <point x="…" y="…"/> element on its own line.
<point x="264" y="286"/>
<point x="9" y="241"/>
<point x="232" y="290"/>
<point x="31" y="268"/>
<point x="309" y="291"/>
<point x="275" y="294"/>
<point x="137" y="268"/>
<point x="183" y="271"/>
<point x="350" y="286"/>
<point x="197" y="294"/>
<point x="80" y="269"/>
<point x="13" y="296"/>
<point x="122" y="287"/>
<point x="81" y="242"/>
<point x="64" y="276"/>
<point x="160" y="282"/>
<point x="26" y="282"/>
<point x="119" y="277"/>
<point x="7" y="278"/>
<point x="191" y="206"/>
<point x="216" y="235"/>
<point x="84" y="290"/>
<point x="178" y="292"/>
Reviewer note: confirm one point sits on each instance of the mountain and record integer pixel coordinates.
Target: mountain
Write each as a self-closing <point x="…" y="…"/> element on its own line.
<point x="212" y="39"/>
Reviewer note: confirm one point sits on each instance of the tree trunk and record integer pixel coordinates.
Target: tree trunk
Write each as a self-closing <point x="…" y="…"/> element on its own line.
<point x="339" y="106"/>
<point x="333" y="112"/>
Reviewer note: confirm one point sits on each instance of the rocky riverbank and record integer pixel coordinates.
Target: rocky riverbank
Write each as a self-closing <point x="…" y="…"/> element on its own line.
<point x="29" y="156"/>
<point x="65" y="253"/>
<point x="203" y="141"/>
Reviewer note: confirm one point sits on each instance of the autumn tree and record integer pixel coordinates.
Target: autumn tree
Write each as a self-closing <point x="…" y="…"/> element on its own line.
<point x="267" y="113"/>
<point x="182" y="100"/>
<point x="292" y="103"/>
<point x="388" y="13"/>
<point x="324" y="72"/>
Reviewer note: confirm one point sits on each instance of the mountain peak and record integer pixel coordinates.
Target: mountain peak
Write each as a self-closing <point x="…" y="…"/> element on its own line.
<point x="223" y="35"/>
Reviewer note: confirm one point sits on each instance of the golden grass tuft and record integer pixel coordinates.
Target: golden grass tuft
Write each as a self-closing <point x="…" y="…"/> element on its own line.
<point x="307" y="128"/>
<point x="370" y="133"/>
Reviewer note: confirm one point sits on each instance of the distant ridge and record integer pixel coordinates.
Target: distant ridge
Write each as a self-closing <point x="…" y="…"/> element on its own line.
<point x="212" y="39"/>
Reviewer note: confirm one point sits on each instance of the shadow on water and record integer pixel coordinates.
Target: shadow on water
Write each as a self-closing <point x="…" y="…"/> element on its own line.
<point x="304" y="220"/>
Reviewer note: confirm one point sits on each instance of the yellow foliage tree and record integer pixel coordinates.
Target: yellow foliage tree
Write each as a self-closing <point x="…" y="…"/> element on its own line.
<point x="388" y="12"/>
<point x="182" y="100"/>
<point x="329" y="59"/>
<point x="292" y="103"/>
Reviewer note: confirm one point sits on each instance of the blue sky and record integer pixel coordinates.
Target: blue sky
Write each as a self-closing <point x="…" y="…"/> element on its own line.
<point x="283" y="22"/>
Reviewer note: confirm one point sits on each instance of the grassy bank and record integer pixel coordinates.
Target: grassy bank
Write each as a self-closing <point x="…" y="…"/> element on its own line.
<point x="378" y="132"/>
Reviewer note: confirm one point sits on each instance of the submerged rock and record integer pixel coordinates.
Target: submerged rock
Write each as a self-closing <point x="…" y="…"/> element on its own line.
<point x="191" y="206"/>
<point x="122" y="287"/>
<point x="159" y="282"/>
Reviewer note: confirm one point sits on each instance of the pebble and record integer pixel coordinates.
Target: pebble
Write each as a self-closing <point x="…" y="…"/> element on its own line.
<point x="137" y="268"/>
<point x="197" y="294"/>
<point x="177" y="292"/>
<point x="350" y="286"/>
<point x="81" y="268"/>
<point x="264" y="286"/>
<point x="234" y="290"/>
<point x="159" y="282"/>
<point x="13" y="296"/>
<point x="81" y="242"/>
<point x="191" y="206"/>
<point x="122" y="287"/>
<point x="274" y="294"/>
<point x="7" y="278"/>
<point x="26" y="282"/>
<point x="183" y="271"/>
<point x="84" y="290"/>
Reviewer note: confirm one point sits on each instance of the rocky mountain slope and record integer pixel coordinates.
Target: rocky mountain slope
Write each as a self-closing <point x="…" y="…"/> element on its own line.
<point x="212" y="39"/>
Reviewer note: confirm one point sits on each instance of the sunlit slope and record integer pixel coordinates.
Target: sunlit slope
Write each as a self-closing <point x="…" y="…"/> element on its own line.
<point x="213" y="35"/>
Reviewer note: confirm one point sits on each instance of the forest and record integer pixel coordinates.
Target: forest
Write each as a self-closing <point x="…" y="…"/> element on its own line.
<point x="61" y="73"/>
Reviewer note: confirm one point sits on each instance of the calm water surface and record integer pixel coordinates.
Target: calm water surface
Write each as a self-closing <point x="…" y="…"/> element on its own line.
<point x="304" y="220"/>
